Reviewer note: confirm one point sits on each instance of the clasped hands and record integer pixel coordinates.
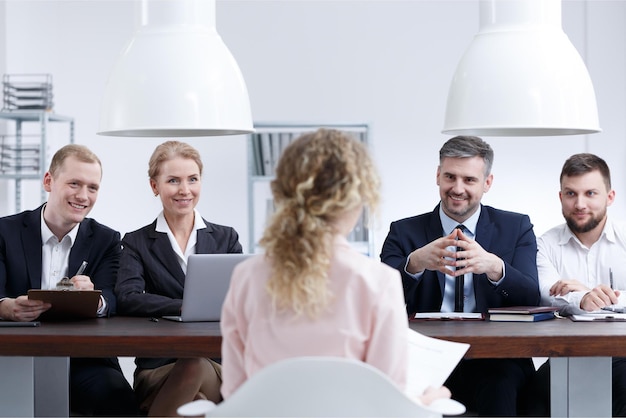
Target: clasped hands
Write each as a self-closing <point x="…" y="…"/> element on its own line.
<point x="471" y="259"/>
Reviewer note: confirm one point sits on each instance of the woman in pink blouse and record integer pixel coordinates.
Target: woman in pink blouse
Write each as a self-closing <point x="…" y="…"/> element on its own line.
<point x="312" y="294"/>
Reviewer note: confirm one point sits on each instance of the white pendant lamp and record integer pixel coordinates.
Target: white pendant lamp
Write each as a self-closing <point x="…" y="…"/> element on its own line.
<point x="176" y="78"/>
<point x="521" y="76"/>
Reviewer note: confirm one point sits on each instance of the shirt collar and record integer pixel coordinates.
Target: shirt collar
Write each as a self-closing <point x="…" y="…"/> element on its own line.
<point x="449" y="224"/>
<point x="608" y="233"/>
<point x="46" y="233"/>
<point x="162" y="226"/>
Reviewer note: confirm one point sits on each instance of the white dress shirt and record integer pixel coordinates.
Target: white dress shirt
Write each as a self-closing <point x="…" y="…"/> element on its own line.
<point x="562" y="256"/>
<point x="162" y="226"/>
<point x="55" y="256"/>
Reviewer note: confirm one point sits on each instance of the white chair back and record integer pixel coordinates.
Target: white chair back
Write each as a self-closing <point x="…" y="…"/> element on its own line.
<point x="317" y="387"/>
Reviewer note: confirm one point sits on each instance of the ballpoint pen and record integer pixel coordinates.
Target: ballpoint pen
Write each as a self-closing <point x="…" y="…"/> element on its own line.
<point x="611" y="278"/>
<point x="83" y="266"/>
<point x="65" y="283"/>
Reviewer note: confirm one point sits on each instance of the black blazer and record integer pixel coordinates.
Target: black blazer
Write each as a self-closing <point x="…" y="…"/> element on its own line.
<point x="150" y="281"/>
<point x="20" y="255"/>
<point x="508" y="235"/>
<point x="20" y="264"/>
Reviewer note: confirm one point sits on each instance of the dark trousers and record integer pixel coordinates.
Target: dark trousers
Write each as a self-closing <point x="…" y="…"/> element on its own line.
<point x="490" y="387"/>
<point x="98" y="388"/>
<point x="538" y="391"/>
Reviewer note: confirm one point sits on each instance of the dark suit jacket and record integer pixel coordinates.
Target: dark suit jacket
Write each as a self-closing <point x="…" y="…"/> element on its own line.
<point x="20" y="262"/>
<point x="20" y="255"/>
<point x="150" y="281"/>
<point x="508" y="235"/>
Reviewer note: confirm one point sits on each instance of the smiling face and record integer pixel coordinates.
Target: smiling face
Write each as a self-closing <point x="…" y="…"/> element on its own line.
<point x="73" y="193"/>
<point x="462" y="183"/>
<point x="584" y="200"/>
<point x="178" y="184"/>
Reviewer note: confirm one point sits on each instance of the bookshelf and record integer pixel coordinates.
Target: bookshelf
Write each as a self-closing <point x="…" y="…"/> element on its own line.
<point x="265" y="147"/>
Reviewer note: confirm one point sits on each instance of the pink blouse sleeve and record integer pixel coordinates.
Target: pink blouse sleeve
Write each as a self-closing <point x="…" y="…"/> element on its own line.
<point x="388" y="348"/>
<point x="233" y="371"/>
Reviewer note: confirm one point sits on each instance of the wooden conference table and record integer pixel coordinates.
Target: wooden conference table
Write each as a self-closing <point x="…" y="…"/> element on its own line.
<point x="36" y="358"/>
<point x="580" y="355"/>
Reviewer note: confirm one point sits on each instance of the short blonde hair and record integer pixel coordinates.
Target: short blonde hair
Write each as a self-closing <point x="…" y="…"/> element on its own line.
<point x="320" y="176"/>
<point x="169" y="150"/>
<point x="80" y="152"/>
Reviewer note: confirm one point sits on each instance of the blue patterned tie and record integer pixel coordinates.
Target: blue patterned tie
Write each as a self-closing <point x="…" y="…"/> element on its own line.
<point x="459" y="282"/>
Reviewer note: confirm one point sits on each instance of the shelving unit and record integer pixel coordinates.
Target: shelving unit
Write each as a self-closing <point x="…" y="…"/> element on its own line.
<point x="38" y="161"/>
<point x="265" y="146"/>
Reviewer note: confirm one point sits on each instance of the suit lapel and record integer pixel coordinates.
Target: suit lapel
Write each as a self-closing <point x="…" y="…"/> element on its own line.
<point x="484" y="236"/>
<point x="162" y="249"/>
<point x="484" y="230"/>
<point x="81" y="248"/>
<point x="433" y="232"/>
<point x="31" y="245"/>
<point x="206" y="243"/>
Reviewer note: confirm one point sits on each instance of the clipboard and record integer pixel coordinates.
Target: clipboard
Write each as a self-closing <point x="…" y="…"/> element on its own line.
<point x="68" y="304"/>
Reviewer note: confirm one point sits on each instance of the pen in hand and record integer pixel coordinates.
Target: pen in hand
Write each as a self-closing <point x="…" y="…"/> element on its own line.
<point x="65" y="283"/>
<point x="83" y="266"/>
<point x="611" y="279"/>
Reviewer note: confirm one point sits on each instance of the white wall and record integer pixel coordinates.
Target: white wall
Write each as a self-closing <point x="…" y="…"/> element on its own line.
<point x="383" y="62"/>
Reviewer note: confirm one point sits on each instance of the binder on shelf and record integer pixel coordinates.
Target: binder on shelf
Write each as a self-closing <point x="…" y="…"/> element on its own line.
<point x="285" y="140"/>
<point x="257" y="159"/>
<point x="266" y="154"/>
<point x="276" y="150"/>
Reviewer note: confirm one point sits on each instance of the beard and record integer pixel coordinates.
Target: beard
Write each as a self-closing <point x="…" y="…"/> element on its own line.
<point x="591" y="224"/>
<point x="459" y="213"/>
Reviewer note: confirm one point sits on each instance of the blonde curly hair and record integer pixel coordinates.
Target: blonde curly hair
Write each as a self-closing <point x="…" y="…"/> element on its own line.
<point x="320" y="176"/>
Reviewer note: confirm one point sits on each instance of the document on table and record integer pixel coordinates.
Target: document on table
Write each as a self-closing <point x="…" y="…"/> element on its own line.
<point x="463" y="316"/>
<point x="599" y="316"/>
<point x="431" y="361"/>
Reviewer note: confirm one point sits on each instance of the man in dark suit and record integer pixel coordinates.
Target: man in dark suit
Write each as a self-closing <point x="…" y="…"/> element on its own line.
<point x="492" y="250"/>
<point x="40" y="247"/>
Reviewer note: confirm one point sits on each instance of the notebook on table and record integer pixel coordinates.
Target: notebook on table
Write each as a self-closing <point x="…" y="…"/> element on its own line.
<point x="206" y="284"/>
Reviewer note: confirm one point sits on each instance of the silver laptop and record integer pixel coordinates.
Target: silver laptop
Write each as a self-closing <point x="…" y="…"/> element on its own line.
<point x="206" y="284"/>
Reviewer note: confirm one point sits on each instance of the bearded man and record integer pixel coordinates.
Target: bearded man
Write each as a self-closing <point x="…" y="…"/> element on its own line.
<point x="581" y="262"/>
